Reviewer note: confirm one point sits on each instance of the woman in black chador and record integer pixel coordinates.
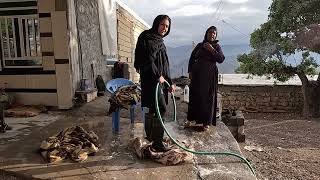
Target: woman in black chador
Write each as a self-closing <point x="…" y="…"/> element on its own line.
<point x="203" y="73"/>
<point x="151" y="61"/>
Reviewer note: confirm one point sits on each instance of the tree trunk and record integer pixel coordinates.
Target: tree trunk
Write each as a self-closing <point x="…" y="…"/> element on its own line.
<point x="311" y="96"/>
<point x="311" y="106"/>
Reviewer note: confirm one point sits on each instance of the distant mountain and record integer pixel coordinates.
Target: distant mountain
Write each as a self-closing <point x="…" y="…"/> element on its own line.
<point x="179" y="58"/>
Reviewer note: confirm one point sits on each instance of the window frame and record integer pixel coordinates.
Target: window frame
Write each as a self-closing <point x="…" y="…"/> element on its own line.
<point x="26" y="40"/>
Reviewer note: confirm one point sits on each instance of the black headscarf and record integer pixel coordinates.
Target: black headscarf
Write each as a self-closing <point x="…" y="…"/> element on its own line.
<point x="205" y="35"/>
<point x="157" y="21"/>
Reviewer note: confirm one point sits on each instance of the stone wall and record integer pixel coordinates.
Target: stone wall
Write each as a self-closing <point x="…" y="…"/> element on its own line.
<point x="73" y="45"/>
<point x="93" y="62"/>
<point x="279" y="98"/>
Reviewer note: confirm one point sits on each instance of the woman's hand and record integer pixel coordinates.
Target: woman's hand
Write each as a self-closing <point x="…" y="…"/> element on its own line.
<point x="161" y="79"/>
<point x="172" y="88"/>
<point x="208" y="47"/>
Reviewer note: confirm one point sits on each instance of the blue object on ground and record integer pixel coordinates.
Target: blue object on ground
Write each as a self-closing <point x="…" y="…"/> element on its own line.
<point x="112" y="86"/>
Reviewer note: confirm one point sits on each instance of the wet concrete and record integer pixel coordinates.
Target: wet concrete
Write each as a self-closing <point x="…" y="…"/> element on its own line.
<point x="19" y="158"/>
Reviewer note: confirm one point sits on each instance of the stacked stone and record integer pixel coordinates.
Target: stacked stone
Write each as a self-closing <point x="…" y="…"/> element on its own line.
<point x="262" y="98"/>
<point x="235" y="122"/>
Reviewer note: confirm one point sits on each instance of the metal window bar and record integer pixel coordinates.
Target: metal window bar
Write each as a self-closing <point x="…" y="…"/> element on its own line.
<point x="7" y="37"/>
<point x="11" y="36"/>
<point x="26" y="37"/>
<point x="1" y="40"/>
<point x="35" y="37"/>
<point x="10" y="40"/>
<point x="4" y="40"/>
<point x="21" y="37"/>
<point x="38" y="45"/>
<point x="32" y="37"/>
<point x="14" y="38"/>
<point x="17" y="34"/>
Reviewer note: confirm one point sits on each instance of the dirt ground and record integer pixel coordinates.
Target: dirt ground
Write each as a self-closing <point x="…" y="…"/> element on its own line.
<point x="290" y="144"/>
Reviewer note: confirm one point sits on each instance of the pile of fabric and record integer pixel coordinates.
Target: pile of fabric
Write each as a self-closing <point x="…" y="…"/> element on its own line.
<point x="25" y="110"/>
<point x="124" y="97"/>
<point x="174" y="156"/>
<point x="74" y="143"/>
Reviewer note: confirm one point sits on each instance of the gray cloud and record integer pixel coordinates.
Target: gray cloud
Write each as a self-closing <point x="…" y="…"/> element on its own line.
<point x="235" y="19"/>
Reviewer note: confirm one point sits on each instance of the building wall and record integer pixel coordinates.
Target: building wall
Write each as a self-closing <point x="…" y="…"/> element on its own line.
<point x="129" y="29"/>
<point x="48" y="84"/>
<point x="70" y="51"/>
<point x="73" y="45"/>
<point x="262" y="98"/>
<point x="31" y="89"/>
<point x="92" y="60"/>
<point x="54" y="46"/>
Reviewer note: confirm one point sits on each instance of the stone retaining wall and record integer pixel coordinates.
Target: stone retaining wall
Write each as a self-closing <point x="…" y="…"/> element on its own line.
<point x="278" y="98"/>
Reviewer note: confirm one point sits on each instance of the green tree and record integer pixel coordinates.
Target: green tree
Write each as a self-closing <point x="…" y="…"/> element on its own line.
<point x="292" y="27"/>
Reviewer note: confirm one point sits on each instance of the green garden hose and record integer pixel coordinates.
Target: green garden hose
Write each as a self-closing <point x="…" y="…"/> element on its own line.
<point x="183" y="147"/>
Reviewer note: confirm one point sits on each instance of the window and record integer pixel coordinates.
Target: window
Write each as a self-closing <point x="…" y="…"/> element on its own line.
<point x="20" y="42"/>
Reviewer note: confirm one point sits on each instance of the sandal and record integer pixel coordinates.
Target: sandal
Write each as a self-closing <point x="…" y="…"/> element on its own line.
<point x="206" y="128"/>
<point x="187" y="124"/>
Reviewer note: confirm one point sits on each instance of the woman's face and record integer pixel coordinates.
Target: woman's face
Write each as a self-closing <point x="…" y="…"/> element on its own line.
<point x="163" y="27"/>
<point x="211" y="35"/>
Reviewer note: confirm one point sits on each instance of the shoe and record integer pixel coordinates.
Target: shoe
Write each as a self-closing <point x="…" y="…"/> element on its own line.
<point x="7" y="127"/>
<point x="205" y="127"/>
<point x="148" y="138"/>
<point x="4" y="128"/>
<point x="187" y="124"/>
<point x="159" y="147"/>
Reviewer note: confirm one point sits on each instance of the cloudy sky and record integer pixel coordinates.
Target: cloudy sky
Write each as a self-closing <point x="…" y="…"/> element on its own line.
<point x="235" y="19"/>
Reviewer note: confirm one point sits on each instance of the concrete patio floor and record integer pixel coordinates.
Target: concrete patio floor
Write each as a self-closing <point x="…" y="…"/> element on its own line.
<point x="19" y="158"/>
